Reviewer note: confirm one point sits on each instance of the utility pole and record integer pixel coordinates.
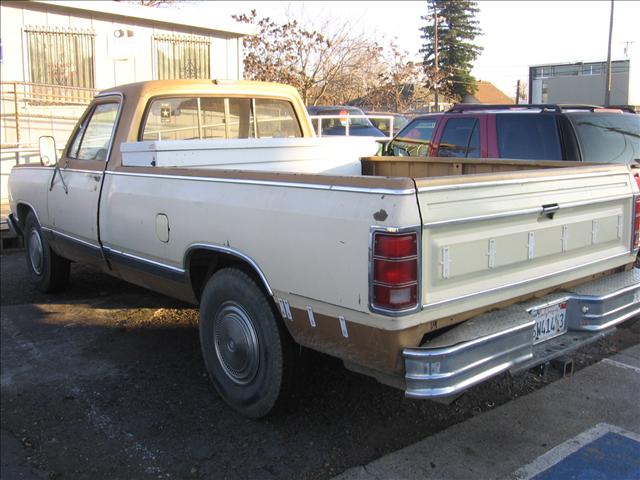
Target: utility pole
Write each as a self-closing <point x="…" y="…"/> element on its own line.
<point x="518" y="92"/>
<point x="435" y="48"/>
<point x="607" y="91"/>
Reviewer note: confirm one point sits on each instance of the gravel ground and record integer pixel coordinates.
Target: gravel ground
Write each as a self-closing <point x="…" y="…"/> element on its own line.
<point x="106" y="381"/>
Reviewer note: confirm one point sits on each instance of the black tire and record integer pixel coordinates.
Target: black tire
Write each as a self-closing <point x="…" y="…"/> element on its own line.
<point x="49" y="271"/>
<point x="248" y="353"/>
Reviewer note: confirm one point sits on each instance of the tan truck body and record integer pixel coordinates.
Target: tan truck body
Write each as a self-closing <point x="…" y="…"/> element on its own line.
<point x="491" y="233"/>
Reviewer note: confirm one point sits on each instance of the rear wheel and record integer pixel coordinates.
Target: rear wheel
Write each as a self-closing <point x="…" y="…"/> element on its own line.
<point x="49" y="270"/>
<point x="249" y="354"/>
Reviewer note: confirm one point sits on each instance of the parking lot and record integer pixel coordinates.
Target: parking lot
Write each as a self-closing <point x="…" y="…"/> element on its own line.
<point x="106" y="381"/>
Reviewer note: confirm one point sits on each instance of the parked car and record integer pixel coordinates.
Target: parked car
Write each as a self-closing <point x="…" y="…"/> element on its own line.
<point x="536" y="132"/>
<point x="220" y="195"/>
<point x="339" y="117"/>
<point x="384" y="125"/>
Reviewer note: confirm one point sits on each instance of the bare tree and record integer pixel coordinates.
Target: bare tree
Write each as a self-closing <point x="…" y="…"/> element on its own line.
<point x="400" y="87"/>
<point x="325" y="68"/>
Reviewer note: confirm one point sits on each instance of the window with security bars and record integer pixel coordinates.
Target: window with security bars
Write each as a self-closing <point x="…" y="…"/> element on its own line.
<point x="182" y="56"/>
<point x="61" y="56"/>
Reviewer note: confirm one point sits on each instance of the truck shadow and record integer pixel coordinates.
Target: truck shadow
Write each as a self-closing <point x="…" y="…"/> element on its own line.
<point x="135" y="377"/>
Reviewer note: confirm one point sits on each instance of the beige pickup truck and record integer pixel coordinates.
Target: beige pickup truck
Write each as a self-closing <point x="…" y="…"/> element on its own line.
<point x="431" y="275"/>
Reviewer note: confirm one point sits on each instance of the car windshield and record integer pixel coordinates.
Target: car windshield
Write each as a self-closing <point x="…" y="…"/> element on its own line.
<point x="344" y="114"/>
<point x="413" y="140"/>
<point x="608" y="137"/>
<point x="419" y="131"/>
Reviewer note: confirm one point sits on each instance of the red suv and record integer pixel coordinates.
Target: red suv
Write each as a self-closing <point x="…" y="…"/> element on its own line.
<point x="534" y="132"/>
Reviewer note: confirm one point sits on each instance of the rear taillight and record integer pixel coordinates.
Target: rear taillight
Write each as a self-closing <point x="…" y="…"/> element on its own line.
<point x="395" y="270"/>
<point x="636" y="217"/>
<point x="636" y="224"/>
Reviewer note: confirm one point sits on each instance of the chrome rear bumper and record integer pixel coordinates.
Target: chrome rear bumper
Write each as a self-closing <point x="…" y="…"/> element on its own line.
<point x="502" y="340"/>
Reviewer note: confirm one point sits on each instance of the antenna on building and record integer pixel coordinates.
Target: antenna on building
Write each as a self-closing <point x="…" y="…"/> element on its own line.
<point x="627" y="44"/>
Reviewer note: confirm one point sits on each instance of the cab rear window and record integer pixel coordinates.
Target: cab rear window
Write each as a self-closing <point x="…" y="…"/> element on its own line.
<point x="188" y="118"/>
<point x="528" y="137"/>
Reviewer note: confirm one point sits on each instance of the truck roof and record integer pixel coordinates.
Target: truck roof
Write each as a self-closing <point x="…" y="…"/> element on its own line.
<point x="201" y="86"/>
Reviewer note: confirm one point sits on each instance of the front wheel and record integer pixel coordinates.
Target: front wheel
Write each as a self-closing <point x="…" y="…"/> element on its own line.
<point x="49" y="270"/>
<point x="248" y="353"/>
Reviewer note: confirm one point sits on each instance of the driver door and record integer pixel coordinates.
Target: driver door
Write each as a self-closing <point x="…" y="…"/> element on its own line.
<point x="74" y="192"/>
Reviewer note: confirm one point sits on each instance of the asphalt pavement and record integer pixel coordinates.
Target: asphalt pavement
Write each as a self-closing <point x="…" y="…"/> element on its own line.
<point x="106" y="380"/>
<point x="585" y="426"/>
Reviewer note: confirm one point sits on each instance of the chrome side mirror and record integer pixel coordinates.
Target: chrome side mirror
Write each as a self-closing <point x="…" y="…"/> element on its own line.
<point x="48" y="152"/>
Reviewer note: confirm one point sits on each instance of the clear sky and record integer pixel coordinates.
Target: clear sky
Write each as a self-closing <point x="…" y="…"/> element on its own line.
<point x="516" y="34"/>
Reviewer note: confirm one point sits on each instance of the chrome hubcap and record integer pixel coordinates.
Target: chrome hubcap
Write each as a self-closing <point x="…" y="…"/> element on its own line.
<point x="36" y="251"/>
<point x="236" y="343"/>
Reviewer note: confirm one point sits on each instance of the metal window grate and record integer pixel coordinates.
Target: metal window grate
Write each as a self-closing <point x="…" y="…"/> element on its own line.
<point x="182" y="56"/>
<point x="61" y="56"/>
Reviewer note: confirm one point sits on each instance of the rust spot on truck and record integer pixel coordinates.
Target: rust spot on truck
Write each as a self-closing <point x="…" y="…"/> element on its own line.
<point x="381" y="215"/>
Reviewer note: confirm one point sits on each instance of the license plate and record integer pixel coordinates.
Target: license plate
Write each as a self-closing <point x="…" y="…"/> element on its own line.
<point x="551" y="321"/>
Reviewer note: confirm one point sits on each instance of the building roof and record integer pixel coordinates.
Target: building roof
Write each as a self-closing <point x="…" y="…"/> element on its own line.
<point x="488" y="93"/>
<point x="167" y="16"/>
<point x="583" y="62"/>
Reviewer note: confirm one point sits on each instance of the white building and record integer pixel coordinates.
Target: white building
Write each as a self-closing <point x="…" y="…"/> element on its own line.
<point x="55" y="55"/>
<point x="100" y="44"/>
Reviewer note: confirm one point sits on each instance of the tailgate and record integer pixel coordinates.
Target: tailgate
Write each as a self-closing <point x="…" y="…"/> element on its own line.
<point x="494" y="237"/>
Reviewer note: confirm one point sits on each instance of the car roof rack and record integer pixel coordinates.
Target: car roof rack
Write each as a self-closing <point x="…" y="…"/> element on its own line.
<point x="593" y="108"/>
<point x="624" y="108"/>
<point x="545" y="107"/>
<point x="471" y="107"/>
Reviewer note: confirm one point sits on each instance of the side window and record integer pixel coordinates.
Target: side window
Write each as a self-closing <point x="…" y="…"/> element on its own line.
<point x="276" y="118"/>
<point x="474" y="143"/>
<point x="528" y="136"/>
<point x="94" y="136"/>
<point x="75" y="144"/>
<point x="456" y="138"/>
<point x="172" y="119"/>
<point x="608" y="137"/>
